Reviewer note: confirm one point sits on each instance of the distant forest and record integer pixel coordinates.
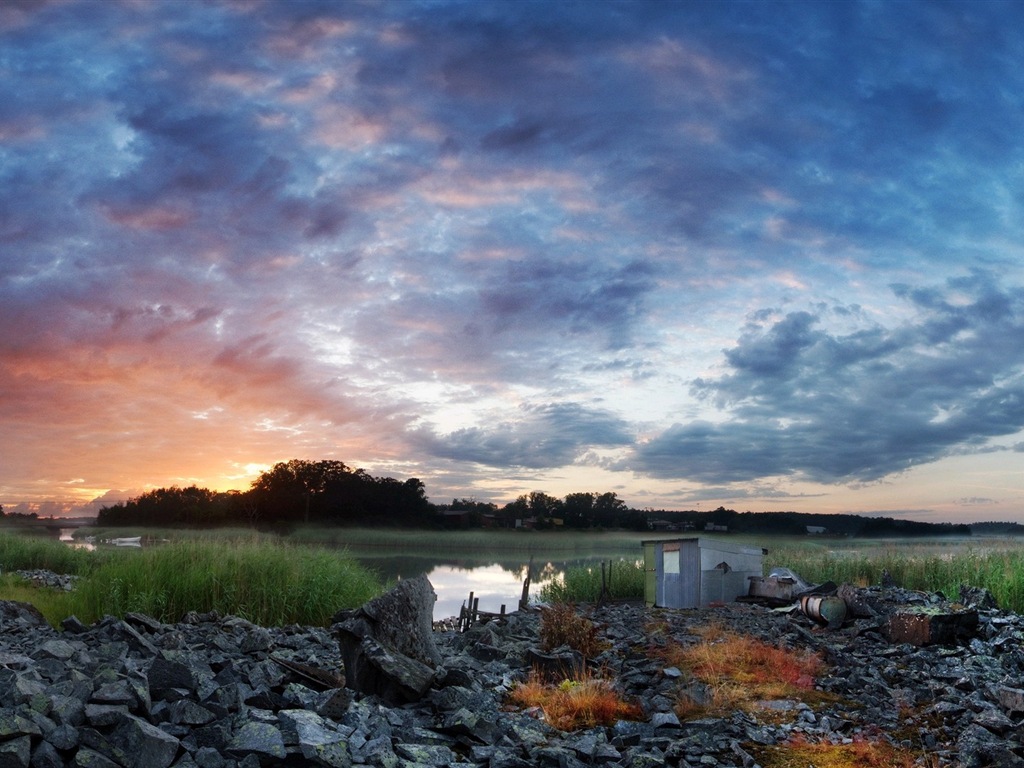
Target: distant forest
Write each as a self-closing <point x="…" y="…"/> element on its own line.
<point x="331" y="493"/>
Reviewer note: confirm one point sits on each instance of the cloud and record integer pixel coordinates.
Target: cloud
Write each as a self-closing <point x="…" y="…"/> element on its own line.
<point x="802" y="402"/>
<point x="552" y="435"/>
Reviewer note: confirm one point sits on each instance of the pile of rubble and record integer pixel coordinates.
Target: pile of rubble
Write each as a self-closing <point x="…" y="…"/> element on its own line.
<point x="219" y="692"/>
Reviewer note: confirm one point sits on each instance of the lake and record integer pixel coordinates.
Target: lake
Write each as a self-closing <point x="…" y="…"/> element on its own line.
<point x="494" y="584"/>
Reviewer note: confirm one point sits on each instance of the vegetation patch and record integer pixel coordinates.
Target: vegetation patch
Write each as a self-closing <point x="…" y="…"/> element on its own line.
<point x="584" y="701"/>
<point x="735" y="671"/>
<point x="267" y="583"/>
<point x="862" y="752"/>
<point x="562" y="625"/>
<point x="23" y="552"/>
<point x="623" y="579"/>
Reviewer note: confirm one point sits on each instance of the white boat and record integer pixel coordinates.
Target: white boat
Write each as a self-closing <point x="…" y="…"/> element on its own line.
<point x="126" y="541"/>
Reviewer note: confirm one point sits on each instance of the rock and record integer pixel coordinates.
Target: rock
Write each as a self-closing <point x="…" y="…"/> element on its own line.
<point x="148" y="746"/>
<point x="262" y="740"/>
<point x="402" y="619"/>
<point x="372" y="668"/>
<point x="319" y="743"/>
<point x="387" y="646"/>
<point x="205" y="693"/>
<point x="14" y="614"/>
<point x="16" y="753"/>
<point x="561" y="664"/>
<point x="977" y="597"/>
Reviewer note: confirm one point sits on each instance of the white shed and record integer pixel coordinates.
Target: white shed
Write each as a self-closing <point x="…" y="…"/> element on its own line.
<point x="695" y="572"/>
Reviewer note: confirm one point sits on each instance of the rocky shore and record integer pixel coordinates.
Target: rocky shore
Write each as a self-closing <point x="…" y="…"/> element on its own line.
<point x="219" y="692"/>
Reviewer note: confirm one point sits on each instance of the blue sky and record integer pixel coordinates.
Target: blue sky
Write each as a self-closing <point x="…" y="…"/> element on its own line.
<point x="755" y="254"/>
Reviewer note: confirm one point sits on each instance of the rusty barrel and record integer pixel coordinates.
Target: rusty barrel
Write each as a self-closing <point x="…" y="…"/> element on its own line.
<point x="826" y="609"/>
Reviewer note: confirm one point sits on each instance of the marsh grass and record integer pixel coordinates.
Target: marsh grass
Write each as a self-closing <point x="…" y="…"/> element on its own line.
<point x="487" y="543"/>
<point x="54" y="604"/>
<point x="269" y="584"/>
<point x="933" y="566"/>
<point x="582" y="584"/>
<point x="24" y="552"/>
<point x="257" y="578"/>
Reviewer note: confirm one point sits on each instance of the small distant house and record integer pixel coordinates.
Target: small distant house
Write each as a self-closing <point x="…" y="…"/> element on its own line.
<point x="696" y="572"/>
<point x="715" y="527"/>
<point x="816" y="530"/>
<point x="457" y="516"/>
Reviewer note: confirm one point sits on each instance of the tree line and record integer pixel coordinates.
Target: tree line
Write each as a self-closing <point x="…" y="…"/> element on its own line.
<point x="291" y="492"/>
<point x="328" y="492"/>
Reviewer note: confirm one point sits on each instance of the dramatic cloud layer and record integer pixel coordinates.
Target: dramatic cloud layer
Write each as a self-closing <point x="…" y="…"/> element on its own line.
<point x="763" y="255"/>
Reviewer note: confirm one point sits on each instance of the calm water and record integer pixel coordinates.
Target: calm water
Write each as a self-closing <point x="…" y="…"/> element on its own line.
<point x="494" y="584"/>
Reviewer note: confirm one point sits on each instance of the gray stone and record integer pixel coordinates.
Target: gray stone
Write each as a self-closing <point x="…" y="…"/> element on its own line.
<point x="90" y="758"/>
<point x="67" y="710"/>
<point x="45" y="755"/>
<point x="256" y="640"/>
<point x="319" y="743"/>
<point x="371" y="667"/>
<point x="14" y="724"/>
<point x="61" y="650"/>
<point x="402" y="619"/>
<point x="166" y="675"/>
<point x="207" y="757"/>
<point x="99" y="715"/>
<point x="16" y="753"/>
<point x="147" y="745"/>
<point x="262" y="740"/>
<point x="426" y="754"/>
<point x="64" y="737"/>
<point x="15" y="614"/>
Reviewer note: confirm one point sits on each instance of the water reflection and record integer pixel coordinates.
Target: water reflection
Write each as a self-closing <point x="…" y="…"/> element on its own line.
<point x="66" y="536"/>
<point x="494" y="584"/>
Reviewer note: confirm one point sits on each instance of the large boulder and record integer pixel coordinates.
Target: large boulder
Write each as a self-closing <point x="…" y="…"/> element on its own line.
<point x="387" y="646"/>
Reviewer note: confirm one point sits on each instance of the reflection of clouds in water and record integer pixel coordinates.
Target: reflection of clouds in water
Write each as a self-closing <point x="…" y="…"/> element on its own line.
<point x="493" y="585"/>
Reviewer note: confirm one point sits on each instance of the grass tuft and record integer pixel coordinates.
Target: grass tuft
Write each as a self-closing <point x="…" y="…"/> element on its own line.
<point x="561" y="625"/>
<point x="862" y="752"/>
<point x="585" y="701"/>
<point x="736" y="671"/>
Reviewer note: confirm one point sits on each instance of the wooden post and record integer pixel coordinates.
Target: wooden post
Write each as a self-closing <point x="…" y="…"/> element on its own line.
<point x="476" y="609"/>
<point x="524" y="601"/>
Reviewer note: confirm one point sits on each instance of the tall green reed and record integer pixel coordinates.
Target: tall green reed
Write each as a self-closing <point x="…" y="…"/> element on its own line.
<point x="932" y="568"/>
<point x="25" y="552"/>
<point x="267" y="583"/>
<point x="623" y="578"/>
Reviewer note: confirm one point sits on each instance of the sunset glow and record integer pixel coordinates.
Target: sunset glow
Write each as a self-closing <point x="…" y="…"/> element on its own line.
<point x="761" y="255"/>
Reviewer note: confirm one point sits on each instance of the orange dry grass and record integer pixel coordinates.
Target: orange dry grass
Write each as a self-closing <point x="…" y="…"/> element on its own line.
<point x="739" y="670"/>
<point x="561" y="625"/>
<point x="573" y="704"/>
<point x="862" y="753"/>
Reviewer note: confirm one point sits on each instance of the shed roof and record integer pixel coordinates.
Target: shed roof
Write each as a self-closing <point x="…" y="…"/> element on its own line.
<point x="703" y="542"/>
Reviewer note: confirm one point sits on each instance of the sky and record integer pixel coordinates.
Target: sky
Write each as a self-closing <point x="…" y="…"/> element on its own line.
<point x="760" y="255"/>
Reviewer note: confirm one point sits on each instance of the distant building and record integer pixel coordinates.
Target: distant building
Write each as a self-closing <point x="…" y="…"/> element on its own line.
<point x="715" y="527"/>
<point x="816" y="530"/>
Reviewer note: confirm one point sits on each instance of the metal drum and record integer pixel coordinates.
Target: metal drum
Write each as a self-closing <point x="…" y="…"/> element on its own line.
<point x="825" y="609"/>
